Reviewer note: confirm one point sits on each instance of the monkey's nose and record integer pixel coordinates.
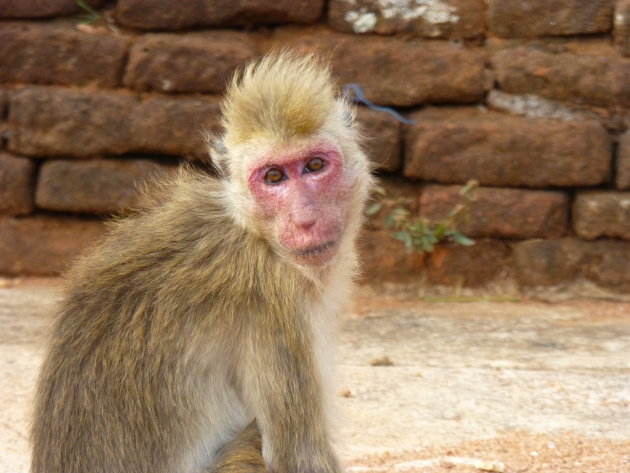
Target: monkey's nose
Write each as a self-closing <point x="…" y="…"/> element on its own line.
<point x="304" y="218"/>
<point x="305" y="223"/>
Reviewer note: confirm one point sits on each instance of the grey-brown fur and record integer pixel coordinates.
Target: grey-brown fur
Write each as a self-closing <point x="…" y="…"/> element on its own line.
<point x="123" y="383"/>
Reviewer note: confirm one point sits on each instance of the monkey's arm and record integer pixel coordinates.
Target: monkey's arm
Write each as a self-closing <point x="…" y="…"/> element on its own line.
<point x="287" y="399"/>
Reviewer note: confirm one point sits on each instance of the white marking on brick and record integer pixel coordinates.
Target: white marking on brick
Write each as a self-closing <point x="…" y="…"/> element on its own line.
<point x="362" y="20"/>
<point x="432" y="11"/>
<point x="534" y="106"/>
<point x="620" y="19"/>
<point x="435" y="12"/>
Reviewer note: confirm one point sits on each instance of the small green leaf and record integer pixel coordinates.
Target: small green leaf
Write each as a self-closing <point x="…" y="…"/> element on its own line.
<point x="374" y="208"/>
<point x="90" y="15"/>
<point x="389" y="220"/>
<point x="400" y="212"/>
<point x="462" y="240"/>
<point x="405" y="238"/>
<point x="87" y="7"/>
<point x="380" y="190"/>
<point x="440" y="230"/>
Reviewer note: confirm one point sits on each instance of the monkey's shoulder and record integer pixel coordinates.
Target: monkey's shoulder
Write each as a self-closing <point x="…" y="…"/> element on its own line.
<point x="185" y="243"/>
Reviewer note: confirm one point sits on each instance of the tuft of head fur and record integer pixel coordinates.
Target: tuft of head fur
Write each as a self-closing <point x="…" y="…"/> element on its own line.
<point x="280" y="96"/>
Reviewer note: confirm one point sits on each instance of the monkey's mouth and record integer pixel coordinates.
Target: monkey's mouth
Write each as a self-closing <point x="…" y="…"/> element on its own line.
<point x="315" y="251"/>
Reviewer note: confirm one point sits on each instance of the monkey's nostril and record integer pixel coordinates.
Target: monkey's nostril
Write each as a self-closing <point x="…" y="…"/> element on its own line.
<point x="307" y="225"/>
<point x="304" y="222"/>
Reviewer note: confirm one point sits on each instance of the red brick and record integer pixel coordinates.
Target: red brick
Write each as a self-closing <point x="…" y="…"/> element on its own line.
<point x="43" y="245"/>
<point x="43" y="53"/>
<point x="162" y="15"/>
<point x="583" y="79"/>
<point x="602" y="214"/>
<point x="4" y="103"/>
<point x="101" y="186"/>
<point x="385" y="259"/>
<point x="17" y="185"/>
<point x="383" y="138"/>
<point x="557" y="262"/>
<point x="194" y="62"/>
<point x="534" y="18"/>
<point x="40" y="8"/>
<point x="53" y="121"/>
<point x="443" y="19"/>
<point x="451" y="264"/>
<point x="393" y="71"/>
<point x="452" y="146"/>
<point x="623" y="162"/>
<point x="500" y="212"/>
<point x="622" y="26"/>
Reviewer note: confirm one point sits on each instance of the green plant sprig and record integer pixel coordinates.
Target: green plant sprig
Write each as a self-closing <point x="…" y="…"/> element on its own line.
<point x="90" y="15"/>
<point x="419" y="234"/>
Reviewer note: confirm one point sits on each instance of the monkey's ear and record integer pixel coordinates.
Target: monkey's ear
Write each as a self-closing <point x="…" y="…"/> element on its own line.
<point x="218" y="153"/>
<point x="349" y="113"/>
<point x="348" y="118"/>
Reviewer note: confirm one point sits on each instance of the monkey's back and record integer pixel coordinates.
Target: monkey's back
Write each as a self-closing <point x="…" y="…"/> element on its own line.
<point x="124" y="375"/>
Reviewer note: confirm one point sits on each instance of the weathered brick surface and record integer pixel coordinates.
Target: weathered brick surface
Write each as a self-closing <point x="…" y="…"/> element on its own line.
<point x="384" y="258"/>
<point x="398" y="191"/>
<point x="442" y="19"/>
<point x="602" y="214"/>
<point x="622" y="26"/>
<point x="17" y="182"/>
<point x="535" y="106"/>
<point x="383" y="138"/>
<point x="40" y="8"/>
<point x="53" y="121"/>
<point x="555" y="262"/>
<point x="531" y="18"/>
<point x="470" y="266"/>
<point x="496" y="212"/>
<point x="101" y="186"/>
<point x="194" y="62"/>
<point x="394" y="71"/>
<point x="42" y="53"/>
<point x="43" y="245"/>
<point x="623" y="162"/>
<point x="453" y="146"/>
<point x="4" y="101"/>
<point x="589" y="79"/>
<point x="163" y="15"/>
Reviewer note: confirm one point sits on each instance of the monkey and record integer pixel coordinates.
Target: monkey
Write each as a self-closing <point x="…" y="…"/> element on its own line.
<point x="196" y="336"/>
<point x="242" y="455"/>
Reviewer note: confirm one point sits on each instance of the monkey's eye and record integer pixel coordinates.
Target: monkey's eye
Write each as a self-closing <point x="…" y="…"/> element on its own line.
<point x="274" y="176"/>
<point x="314" y="165"/>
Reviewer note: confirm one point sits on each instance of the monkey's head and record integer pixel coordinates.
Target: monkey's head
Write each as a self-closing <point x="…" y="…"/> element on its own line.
<point x="295" y="172"/>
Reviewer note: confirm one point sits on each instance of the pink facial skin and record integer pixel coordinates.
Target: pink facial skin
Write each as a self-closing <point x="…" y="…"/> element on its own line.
<point x="305" y="208"/>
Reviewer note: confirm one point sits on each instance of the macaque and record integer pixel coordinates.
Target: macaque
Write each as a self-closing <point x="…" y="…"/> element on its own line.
<point x="196" y="337"/>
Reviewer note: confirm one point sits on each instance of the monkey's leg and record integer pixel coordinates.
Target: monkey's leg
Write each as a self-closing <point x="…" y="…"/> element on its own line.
<point x="241" y="455"/>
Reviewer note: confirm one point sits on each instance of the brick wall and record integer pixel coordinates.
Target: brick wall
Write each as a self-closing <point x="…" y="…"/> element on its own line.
<point x="530" y="98"/>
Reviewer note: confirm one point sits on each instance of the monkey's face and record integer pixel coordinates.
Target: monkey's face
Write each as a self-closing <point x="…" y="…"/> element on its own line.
<point x="301" y="195"/>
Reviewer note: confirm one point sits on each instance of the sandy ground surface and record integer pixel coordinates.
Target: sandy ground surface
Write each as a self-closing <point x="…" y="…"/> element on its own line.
<point x="427" y="387"/>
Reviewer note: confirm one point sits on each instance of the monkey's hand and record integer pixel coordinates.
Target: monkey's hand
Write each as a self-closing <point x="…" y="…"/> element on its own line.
<point x="306" y="460"/>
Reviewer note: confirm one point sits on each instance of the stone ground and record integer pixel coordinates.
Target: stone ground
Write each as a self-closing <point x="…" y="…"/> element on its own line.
<point x="424" y="386"/>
